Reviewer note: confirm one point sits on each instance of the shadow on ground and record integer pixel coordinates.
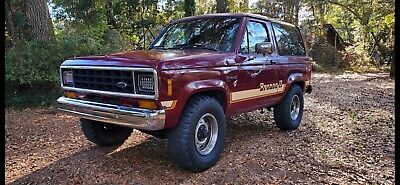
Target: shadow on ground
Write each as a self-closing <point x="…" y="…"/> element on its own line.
<point x="148" y="162"/>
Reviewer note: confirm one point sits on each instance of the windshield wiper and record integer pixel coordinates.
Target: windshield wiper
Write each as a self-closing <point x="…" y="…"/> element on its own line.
<point x="205" y="47"/>
<point x="174" y="47"/>
<point x="192" y="46"/>
<point x="186" y="46"/>
<point x="159" y="47"/>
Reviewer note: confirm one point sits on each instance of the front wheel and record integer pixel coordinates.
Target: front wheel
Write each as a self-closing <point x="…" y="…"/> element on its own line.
<point x="289" y="112"/>
<point x="199" y="139"/>
<point x="104" y="134"/>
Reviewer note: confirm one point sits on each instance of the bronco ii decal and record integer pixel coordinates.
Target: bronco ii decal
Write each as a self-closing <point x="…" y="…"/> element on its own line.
<point x="270" y="86"/>
<point x="263" y="90"/>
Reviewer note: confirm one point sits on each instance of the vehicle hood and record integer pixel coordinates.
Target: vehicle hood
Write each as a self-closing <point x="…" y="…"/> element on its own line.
<point x="161" y="59"/>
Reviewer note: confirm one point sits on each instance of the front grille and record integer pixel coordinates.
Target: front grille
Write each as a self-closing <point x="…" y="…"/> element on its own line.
<point x="104" y="80"/>
<point x="102" y="99"/>
<point x="110" y="81"/>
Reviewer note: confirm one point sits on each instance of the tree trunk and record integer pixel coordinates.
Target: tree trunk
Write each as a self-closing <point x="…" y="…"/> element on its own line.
<point x="222" y="6"/>
<point x="392" y="68"/>
<point x="38" y="20"/>
<point x="9" y="11"/>
<point x="288" y="14"/>
<point x="244" y="5"/>
<point x="321" y="12"/>
<point x="110" y="15"/>
<point x="313" y="9"/>
<point x="190" y="7"/>
<point x="296" y="12"/>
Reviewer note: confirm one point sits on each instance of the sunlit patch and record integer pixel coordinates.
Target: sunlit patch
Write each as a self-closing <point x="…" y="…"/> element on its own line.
<point x="65" y="116"/>
<point x="136" y="138"/>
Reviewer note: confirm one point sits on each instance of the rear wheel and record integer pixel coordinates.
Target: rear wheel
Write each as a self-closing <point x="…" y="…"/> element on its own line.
<point x="104" y="134"/>
<point x="289" y="112"/>
<point x="199" y="139"/>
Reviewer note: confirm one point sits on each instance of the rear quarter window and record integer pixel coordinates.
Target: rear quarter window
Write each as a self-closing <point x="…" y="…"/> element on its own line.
<point x="289" y="40"/>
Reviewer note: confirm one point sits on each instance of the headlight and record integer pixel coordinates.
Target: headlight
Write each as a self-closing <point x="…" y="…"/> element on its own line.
<point x="146" y="83"/>
<point x="68" y="79"/>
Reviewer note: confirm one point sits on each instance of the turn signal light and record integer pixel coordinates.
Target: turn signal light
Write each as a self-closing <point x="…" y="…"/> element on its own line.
<point x="169" y="81"/>
<point x="74" y="95"/>
<point x="71" y="95"/>
<point x="146" y="104"/>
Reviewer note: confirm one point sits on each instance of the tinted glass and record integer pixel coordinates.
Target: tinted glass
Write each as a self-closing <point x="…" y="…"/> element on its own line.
<point x="244" y="46"/>
<point x="214" y="33"/>
<point x="256" y="32"/>
<point x="288" y="40"/>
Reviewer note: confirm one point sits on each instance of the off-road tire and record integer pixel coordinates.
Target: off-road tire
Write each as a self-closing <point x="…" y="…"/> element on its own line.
<point x="181" y="140"/>
<point x="104" y="134"/>
<point x="282" y="116"/>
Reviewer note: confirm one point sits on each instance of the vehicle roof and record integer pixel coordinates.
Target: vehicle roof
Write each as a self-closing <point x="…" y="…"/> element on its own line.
<point x="255" y="16"/>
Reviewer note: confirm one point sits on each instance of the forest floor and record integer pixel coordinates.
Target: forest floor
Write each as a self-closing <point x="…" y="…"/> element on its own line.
<point x="346" y="136"/>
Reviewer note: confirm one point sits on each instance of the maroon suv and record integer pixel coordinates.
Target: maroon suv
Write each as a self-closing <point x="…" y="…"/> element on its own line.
<point x="199" y="71"/>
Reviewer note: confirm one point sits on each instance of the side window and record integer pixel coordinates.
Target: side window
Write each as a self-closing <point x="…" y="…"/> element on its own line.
<point x="289" y="41"/>
<point x="256" y="32"/>
<point x="244" y="47"/>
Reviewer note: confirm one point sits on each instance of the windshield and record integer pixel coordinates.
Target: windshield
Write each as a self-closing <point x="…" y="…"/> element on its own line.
<point x="214" y="34"/>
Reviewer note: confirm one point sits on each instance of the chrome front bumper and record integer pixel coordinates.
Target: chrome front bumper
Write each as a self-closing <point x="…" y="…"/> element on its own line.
<point x="119" y="115"/>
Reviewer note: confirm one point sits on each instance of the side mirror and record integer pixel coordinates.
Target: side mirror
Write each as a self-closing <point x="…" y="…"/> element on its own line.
<point x="264" y="48"/>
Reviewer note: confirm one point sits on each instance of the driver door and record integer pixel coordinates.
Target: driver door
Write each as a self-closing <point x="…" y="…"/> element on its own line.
<point x="257" y="75"/>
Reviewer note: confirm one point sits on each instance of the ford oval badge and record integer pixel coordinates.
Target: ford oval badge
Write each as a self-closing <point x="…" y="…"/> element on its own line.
<point x="121" y="85"/>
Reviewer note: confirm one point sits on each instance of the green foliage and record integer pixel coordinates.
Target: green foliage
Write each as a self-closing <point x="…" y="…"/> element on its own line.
<point x="89" y="12"/>
<point x="205" y="6"/>
<point x="280" y="9"/>
<point x="32" y="98"/>
<point x="238" y="5"/>
<point x="326" y="57"/>
<point x="189" y="7"/>
<point x="34" y="66"/>
<point x="368" y="25"/>
<point x="138" y="20"/>
<point x="360" y="62"/>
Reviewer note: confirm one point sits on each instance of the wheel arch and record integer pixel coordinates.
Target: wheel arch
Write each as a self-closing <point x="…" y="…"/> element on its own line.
<point x="217" y="89"/>
<point x="296" y="78"/>
<point x="219" y="92"/>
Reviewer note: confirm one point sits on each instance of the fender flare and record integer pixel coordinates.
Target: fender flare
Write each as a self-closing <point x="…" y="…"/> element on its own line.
<point x="192" y="88"/>
<point x="202" y="86"/>
<point x="295" y="77"/>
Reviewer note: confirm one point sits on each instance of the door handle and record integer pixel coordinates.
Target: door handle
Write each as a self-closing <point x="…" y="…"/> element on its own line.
<point x="272" y="61"/>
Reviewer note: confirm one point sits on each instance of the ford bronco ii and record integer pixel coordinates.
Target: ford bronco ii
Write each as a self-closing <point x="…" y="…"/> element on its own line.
<point x="199" y="71"/>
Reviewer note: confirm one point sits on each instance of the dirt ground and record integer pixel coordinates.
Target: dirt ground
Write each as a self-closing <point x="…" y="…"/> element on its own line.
<point x="346" y="136"/>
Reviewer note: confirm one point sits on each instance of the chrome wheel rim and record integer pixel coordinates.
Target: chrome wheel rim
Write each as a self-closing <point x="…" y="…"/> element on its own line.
<point x="295" y="107"/>
<point x="206" y="134"/>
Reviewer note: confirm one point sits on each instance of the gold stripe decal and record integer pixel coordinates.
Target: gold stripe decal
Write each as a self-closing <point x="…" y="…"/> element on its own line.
<point x="169" y="104"/>
<point x="264" y="90"/>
